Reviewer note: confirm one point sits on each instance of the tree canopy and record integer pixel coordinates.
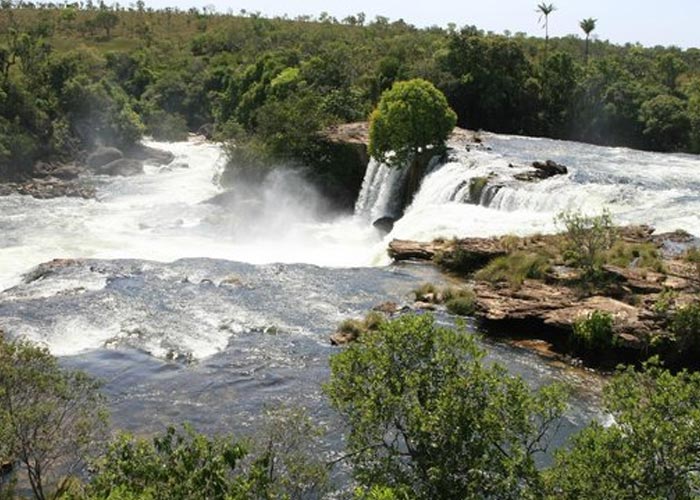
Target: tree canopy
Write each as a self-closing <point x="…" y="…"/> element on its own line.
<point x="411" y="116"/>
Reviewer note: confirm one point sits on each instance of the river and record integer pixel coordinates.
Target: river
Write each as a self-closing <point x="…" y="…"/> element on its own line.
<point x="208" y="313"/>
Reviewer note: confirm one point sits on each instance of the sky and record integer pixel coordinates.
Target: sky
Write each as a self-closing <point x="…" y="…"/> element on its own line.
<point x="650" y="22"/>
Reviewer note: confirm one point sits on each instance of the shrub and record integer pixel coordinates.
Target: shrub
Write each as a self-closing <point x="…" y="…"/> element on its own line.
<point x="595" y="332"/>
<point x="650" y="449"/>
<point x="426" y="415"/>
<point x="515" y="268"/>
<point x="460" y="301"/>
<point x="411" y="116"/>
<point x="587" y="239"/>
<point x="640" y="255"/>
<point x="164" y="126"/>
<point x="685" y="326"/>
<point x="693" y="256"/>
<point x="426" y="291"/>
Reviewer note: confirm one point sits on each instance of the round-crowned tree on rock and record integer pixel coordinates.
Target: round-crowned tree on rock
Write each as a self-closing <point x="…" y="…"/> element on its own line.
<point x="411" y="116"/>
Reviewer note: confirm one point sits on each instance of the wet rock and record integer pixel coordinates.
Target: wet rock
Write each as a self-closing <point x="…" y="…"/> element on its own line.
<point x="125" y="167"/>
<point x="49" y="188"/>
<point x="150" y="155"/>
<point x="66" y="172"/>
<point x="464" y="255"/>
<point x="102" y="156"/>
<point x="47" y="269"/>
<point x="387" y="308"/>
<point x="384" y="224"/>
<point x="542" y="171"/>
<point x="206" y="131"/>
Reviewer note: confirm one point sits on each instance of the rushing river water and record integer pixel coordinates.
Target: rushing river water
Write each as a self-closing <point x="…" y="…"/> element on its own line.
<point x="208" y="312"/>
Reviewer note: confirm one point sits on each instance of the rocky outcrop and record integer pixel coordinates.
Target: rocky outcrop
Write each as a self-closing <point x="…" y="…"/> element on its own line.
<point x="49" y="188"/>
<point x="124" y="167"/>
<point x="147" y="154"/>
<point x="103" y="155"/>
<point x="477" y="251"/>
<point x="630" y="295"/>
<point x="542" y="170"/>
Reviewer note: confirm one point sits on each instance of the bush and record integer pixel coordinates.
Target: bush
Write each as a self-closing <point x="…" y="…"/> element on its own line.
<point x="411" y="116"/>
<point x="685" y="326"/>
<point x="164" y="126"/>
<point x="515" y="268"/>
<point x="426" y="415"/>
<point x="649" y="451"/>
<point x="693" y="256"/>
<point x="595" y="332"/>
<point x="639" y="255"/>
<point x="460" y="301"/>
<point x="587" y="239"/>
<point x="427" y="292"/>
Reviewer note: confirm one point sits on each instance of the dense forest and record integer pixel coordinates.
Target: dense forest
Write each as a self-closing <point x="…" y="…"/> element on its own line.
<point x="76" y="75"/>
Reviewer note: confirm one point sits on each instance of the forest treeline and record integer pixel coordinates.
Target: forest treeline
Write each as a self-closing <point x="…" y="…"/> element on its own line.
<point x="76" y="75"/>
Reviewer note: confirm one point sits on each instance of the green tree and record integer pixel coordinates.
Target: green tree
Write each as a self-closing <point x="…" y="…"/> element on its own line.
<point x="650" y="451"/>
<point x="587" y="239"/>
<point x="588" y="25"/>
<point x="545" y="9"/>
<point x="411" y="117"/>
<point x="107" y="20"/>
<point x="666" y="122"/>
<point x="51" y="419"/>
<point x="427" y="415"/>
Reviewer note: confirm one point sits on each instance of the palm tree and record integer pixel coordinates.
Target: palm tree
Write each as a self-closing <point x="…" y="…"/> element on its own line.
<point x="545" y="10"/>
<point x="588" y="25"/>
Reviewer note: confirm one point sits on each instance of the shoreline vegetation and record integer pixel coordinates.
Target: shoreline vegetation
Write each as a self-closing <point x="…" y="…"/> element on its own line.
<point x="76" y="76"/>
<point x="593" y="293"/>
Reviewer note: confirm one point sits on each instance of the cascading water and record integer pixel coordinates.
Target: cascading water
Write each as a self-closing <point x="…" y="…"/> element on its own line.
<point x="380" y="195"/>
<point x="257" y="332"/>
<point x="637" y="187"/>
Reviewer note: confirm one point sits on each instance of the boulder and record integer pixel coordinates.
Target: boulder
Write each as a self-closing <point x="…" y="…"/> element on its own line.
<point x="206" y="131"/>
<point x="384" y="224"/>
<point x="102" y="156"/>
<point x="542" y="171"/>
<point x="124" y="167"/>
<point x="66" y="172"/>
<point x="150" y="155"/>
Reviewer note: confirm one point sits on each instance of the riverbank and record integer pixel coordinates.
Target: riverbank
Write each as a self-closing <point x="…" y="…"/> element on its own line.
<point x="642" y="300"/>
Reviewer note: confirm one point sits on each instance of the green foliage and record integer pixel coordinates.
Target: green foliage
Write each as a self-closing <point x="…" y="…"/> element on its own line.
<point x="515" y="268"/>
<point x="51" y="419"/>
<point x="594" y="333"/>
<point x="693" y="256"/>
<point x="176" y="464"/>
<point x="283" y="461"/>
<point x="587" y="239"/>
<point x="638" y="255"/>
<point x="685" y="326"/>
<point x="164" y="126"/>
<point x="649" y="451"/>
<point x="666" y="123"/>
<point x="462" y="305"/>
<point x="427" y="415"/>
<point x="412" y="116"/>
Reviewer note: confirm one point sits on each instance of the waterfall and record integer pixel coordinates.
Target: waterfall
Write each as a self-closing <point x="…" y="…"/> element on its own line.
<point x="381" y="191"/>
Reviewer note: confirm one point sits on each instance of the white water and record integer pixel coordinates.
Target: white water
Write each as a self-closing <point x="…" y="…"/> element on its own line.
<point x="160" y="215"/>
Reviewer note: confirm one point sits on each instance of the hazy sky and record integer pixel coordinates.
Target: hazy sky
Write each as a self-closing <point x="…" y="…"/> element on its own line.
<point x="651" y="22"/>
